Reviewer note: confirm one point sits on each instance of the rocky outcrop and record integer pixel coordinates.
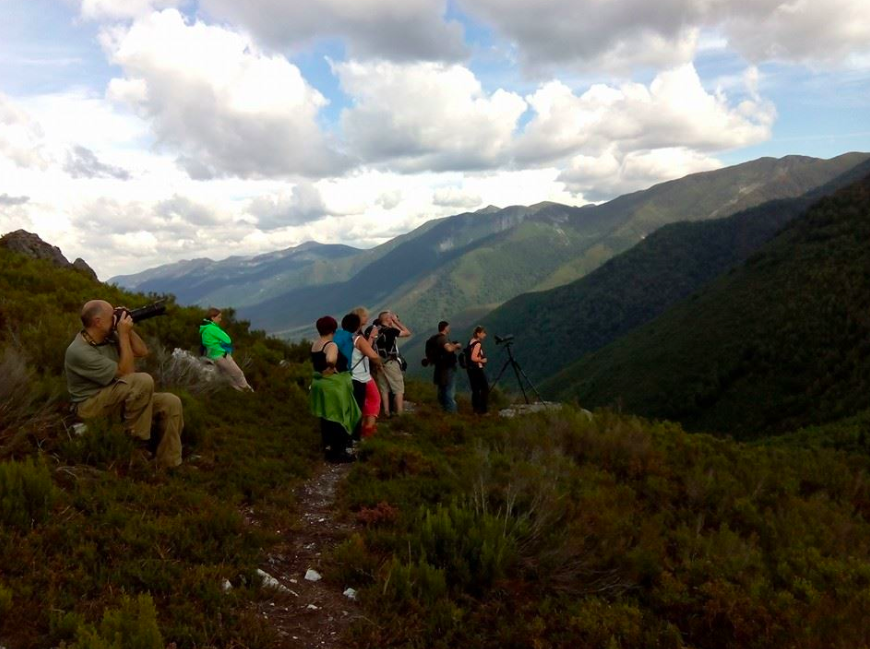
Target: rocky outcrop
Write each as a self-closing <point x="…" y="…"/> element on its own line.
<point x="82" y="266"/>
<point x="30" y="245"/>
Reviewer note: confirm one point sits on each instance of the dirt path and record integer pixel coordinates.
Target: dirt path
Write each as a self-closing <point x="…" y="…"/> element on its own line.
<point x="310" y="614"/>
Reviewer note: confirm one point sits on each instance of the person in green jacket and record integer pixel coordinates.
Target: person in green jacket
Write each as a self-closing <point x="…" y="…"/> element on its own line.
<point x="219" y="348"/>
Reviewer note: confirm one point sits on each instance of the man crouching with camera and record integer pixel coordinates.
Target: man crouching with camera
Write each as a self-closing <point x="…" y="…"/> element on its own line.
<point x="102" y="380"/>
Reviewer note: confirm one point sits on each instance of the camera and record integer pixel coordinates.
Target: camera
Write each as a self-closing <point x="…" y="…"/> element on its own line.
<point x="142" y="313"/>
<point x="504" y="340"/>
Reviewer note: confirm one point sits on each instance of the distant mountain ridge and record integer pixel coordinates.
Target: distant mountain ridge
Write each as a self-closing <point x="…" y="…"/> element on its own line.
<point x="781" y="342"/>
<point x="242" y="280"/>
<point x="639" y="284"/>
<point x="463" y="266"/>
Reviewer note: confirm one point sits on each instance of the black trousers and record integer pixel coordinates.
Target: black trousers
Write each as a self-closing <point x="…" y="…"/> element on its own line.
<point x="479" y="390"/>
<point x="359" y="394"/>
<point x="333" y="440"/>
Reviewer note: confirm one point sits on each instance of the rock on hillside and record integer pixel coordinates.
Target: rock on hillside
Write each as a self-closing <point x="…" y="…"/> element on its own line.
<point x="30" y="245"/>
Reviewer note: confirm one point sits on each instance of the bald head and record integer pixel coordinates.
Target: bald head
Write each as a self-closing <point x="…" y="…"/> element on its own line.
<point x="96" y="309"/>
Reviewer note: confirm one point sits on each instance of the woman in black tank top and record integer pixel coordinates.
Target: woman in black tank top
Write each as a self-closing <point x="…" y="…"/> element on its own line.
<point x="324" y="357"/>
<point x="323" y="360"/>
<point x="324" y="351"/>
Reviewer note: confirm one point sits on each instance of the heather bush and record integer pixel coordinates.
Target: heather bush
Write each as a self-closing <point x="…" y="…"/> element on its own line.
<point x="27" y="493"/>
<point x="554" y="530"/>
<point x="133" y="625"/>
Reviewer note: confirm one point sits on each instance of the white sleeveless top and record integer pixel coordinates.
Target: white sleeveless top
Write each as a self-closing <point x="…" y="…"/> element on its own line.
<point x="360" y="364"/>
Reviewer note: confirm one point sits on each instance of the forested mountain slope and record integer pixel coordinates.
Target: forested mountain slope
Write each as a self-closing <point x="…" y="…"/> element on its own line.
<point x="557" y="327"/>
<point x="780" y="342"/>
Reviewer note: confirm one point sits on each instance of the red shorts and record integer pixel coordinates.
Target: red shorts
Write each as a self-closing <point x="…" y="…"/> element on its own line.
<point x="372" y="403"/>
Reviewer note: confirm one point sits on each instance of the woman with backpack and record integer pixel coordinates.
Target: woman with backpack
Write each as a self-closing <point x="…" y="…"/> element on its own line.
<point x="218" y="348"/>
<point x="475" y="365"/>
<point x="365" y="390"/>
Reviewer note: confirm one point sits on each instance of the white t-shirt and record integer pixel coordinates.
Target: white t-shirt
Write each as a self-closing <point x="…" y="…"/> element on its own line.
<point x="360" y="364"/>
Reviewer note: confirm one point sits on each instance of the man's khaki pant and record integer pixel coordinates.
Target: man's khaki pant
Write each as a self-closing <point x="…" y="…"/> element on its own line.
<point x="229" y="367"/>
<point x="133" y="398"/>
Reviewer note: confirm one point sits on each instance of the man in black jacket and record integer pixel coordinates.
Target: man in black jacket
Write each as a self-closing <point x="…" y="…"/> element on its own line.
<point x="445" y="367"/>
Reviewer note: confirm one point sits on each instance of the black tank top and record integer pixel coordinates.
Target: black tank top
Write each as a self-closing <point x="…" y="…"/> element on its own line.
<point x="318" y="360"/>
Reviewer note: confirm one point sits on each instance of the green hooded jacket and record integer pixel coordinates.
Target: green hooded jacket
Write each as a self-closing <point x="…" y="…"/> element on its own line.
<point x="216" y="341"/>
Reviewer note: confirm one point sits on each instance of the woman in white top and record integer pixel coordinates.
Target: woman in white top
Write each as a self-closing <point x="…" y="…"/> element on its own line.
<point x="365" y="390"/>
<point x="476" y="371"/>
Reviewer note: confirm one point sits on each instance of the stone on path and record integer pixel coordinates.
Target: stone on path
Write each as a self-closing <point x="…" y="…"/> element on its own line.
<point x="270" y="582"/>
<point x="312" y="575"/>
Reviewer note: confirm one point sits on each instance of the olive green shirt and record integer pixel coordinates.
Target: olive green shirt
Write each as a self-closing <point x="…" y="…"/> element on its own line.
<point x="89" y="368"/>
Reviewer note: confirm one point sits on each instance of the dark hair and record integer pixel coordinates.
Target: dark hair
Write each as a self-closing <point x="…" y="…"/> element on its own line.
<point x="479" y="330"/>
<point x="351" y="322"/>
<point x="443" y="325"/>
<point x="212" y="313"/>
<point x="326" y="325"/>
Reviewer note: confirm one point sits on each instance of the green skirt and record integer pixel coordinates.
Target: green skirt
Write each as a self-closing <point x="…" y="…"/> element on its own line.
<point x="331" y="398"/>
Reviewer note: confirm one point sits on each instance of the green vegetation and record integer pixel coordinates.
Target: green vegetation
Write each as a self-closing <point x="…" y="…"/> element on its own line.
<point x="779" y="343"/>
<point x="555" y="328"/>
<point x="549" y="530"/>
<point x="98" y="550"/>
<point x="560" y="531"/>
<point x="483" y="258"/>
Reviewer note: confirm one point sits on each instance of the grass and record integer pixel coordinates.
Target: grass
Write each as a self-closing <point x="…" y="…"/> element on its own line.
<point x="554" y="531"/>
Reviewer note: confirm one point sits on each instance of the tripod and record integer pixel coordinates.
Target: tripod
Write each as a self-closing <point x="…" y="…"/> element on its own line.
<point x="518" y="372"/>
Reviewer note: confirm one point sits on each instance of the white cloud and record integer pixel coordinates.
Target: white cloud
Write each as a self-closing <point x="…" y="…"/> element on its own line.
<point x="795" y="30"/>
<point x="614" y="173"/>
<point x="389" y="199"/>
<point x="81" y="162"/>
<point x="620" y="34"/>
<point x="226" y="108"/>
<point x="21" y="137"/>
<point x="303" y="204"/>
<point x="455" y="197"/>
<point x="182" y="209"/>
<point x="673" y="113"/>
<point x="406" y="30"/>
<point x="118" y="9"/>
<point x="10" y="201"/>
<point x="426" y="116"/>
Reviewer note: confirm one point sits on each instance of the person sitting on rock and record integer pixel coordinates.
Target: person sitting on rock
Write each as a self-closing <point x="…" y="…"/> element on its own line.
<point x="102" y="381"/>
<point x="219" y="349"/>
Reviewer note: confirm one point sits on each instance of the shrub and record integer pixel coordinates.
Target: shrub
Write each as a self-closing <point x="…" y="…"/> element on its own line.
<point x="26" y="493"/>
<point x="5" y="602"/>
<point x="131" y="626"/>
<point x="103" y="444"/>
<point x="24" y="408"/>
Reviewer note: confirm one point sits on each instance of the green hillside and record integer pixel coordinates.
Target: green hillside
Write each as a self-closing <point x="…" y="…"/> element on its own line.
<point x="557" y="531"/>
<point x="94" y="541"/>
<point x="551" y="530"/>
<point x="781" y="342"/>
<point x="407" y="277"/>
<point x="572" y="244"/>
<point x="557" y="327"/>
<point x="701" y="197"/>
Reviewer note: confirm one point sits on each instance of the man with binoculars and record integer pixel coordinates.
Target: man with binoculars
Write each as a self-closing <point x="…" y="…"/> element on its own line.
<point x="102" y="379"/>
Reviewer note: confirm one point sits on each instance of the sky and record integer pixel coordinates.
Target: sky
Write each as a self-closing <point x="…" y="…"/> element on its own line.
<point x="135" y="133"/>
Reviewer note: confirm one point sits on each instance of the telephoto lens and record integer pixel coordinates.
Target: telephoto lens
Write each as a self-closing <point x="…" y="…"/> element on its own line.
<point x="148" y="311"/>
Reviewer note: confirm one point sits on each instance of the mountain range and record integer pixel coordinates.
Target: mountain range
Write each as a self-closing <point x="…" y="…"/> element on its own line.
<point x="461" y="267"/>
<point x="779" y="342"/>
<point x="559" y="326"/>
